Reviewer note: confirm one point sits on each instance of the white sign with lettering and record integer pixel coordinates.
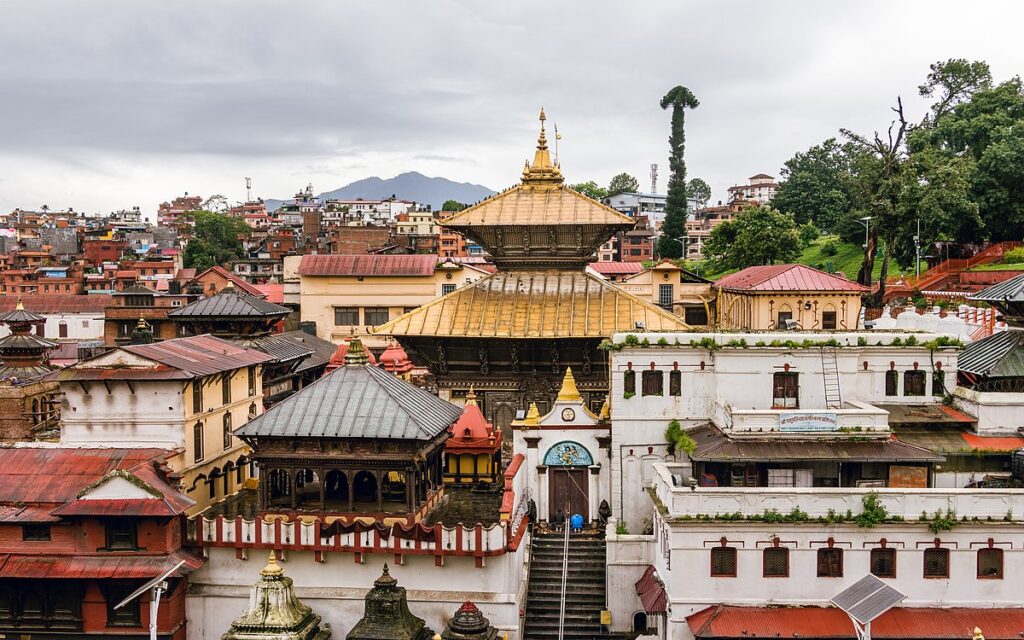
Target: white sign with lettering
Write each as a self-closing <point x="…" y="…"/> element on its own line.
<point x="804" y="421"/>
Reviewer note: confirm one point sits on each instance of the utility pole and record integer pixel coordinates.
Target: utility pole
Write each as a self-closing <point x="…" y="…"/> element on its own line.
<point x="917" y="250"/>
<point x="866" y="221"/>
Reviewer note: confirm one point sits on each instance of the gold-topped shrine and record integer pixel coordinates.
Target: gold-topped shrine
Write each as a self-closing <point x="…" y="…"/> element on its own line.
<point x="512" y="334"/>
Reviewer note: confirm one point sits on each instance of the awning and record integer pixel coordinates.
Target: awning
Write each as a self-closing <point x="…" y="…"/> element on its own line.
<point x="109" y="566"/>
<point x="901" y="623"/>
<point x="651" y="591"/>
<point x="715" y="446"/>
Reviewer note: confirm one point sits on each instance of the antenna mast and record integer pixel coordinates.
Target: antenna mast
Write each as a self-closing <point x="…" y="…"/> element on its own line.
<point x="558" y="137"/>
<point x="248" y="189"/>
<point x="654" y="178"/>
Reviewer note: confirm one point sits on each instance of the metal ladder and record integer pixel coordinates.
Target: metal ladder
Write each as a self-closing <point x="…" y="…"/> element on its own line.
<point x="830" y="374"/>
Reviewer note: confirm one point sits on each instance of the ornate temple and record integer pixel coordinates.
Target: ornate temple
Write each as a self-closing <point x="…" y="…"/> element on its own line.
<point x="275" y="613"/>
<point x="512" y="334"/>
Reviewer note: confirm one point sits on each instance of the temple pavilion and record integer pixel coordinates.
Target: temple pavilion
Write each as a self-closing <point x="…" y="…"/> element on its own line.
<point x="512" y="334"/>
<point x="359" y="443"/>
<point x="473" y="452"/>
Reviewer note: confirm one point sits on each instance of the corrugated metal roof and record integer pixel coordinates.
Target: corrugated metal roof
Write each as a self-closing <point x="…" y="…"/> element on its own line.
<point x="137" y="567"/>
<point x="356" y="401"/>
<point x="900" y="623"/>
<point x="999" y="355"/>
<point x="616" y="268"/>
<point x="368" y="265"/>
<point x="322" y="349"/>
<point x="199" y="355"/>
<point x="127" y="507"/>
<point x="280" y="348"/>
<point x="786" y="277"/>
<point x="230" y="303"/>
<point x="530" y="205"/>
<point x="1012" y="290"/>
<point x="534" y="304"/>
<point x="51" y="304"/>
<point x="235" y="280"/>
<point x="714" y="446"/>
<point x="651" y="591"/>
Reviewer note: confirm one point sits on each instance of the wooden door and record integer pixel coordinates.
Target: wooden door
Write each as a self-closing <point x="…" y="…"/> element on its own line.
<point x="568" y="486"/>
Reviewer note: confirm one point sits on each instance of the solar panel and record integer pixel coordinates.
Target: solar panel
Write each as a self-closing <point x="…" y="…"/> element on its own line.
<point x="867" y="599"/>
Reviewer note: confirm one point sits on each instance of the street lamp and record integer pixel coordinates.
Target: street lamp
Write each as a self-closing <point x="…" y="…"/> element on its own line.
<point x="682" y="240"/>
<point x="866" y="223"/>
<point x="917" y="250"/>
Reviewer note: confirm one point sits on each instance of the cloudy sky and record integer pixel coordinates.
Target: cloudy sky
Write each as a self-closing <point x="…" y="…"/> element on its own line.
<point x="106" y="105"/>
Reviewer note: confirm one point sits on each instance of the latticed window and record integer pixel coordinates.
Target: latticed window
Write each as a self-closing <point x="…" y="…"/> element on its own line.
<point x="883" y="563"/>
<point x="723" y="562"/>
<point x="675" y="383"/>
<point x="653" y="383"/>
<point x="830" y="563"/>
<point x="665" y="295"/>
<point x="990" y="563"/>
<point x="629" y="382"/>
<point x="892" y="382"/>
<point x="776" y="562"/>
<point x="913" y="383"/>
<point x="936" y="563"/>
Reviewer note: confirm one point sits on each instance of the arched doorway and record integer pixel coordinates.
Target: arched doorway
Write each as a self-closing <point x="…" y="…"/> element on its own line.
<point x="336" y="490"/>
<point x="568" y="481"/>
<point x="279" y="486"/>
<point x="307" y="488"/>
<point x="364" y="488"/>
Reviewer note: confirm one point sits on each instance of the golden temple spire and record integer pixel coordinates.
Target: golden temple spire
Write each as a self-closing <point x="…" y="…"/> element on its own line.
<point x="471" y="397"/>
<point x="19" y="306"/>
<point x="569" y="392"/>
<point x="532" y="416"/>
<point x="977" y="634"/>
<point x="272" y="569"/>
<point x="543" y="172"/>
<point x="606" y="411"/>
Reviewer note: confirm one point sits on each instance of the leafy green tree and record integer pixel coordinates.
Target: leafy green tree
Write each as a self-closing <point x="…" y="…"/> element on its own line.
<point x="623" y="183"/>
<point x="679" y="99"/>
<point x="815" y="185"/>
<point x="955" y="81"/>
<point x="452" y="205"/>
<point x="216" y="239"/>
<point x="590" y="189"/>
<point x="699" y="191"/>
<point x="756" y="236"/>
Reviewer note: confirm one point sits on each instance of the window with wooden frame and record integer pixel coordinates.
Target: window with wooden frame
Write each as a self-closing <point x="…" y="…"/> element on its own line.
<point x="629" y="382"/>
<point x="375" y="316"/>
<point x="250" y="374"/>
<point x="913" y="382"/>
<point x="892" y="382"/>
<point x="938" y="382"/>
<point x="35" y="532"/>
<point x="652" y="383"/>
<point x="197" y="395"/>
<point x="783" y="316"/>
<point x="723" y="562"/>
<point x="130" y="615"/>
<point x="883" y="562"/>
<point x="828" y="320"/>
<point x="675" y="383"/>
<point x="197" y="442"/>
<point x="936" y="563"/>
<point x="227" y="431"/>
<point x="786" y="390"/>
<point x="990" y="563"/>
<point x="346" y="316"/>
<point x="121" y="534"/>
<point x="775" y="561"/>
<point x="695" y="315"/>
<point x="830" y="562"/>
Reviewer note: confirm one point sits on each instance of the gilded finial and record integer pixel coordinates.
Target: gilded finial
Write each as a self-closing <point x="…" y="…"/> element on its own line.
<point x="19" y="306"/>
<point x="142" y="324"/>
<point x="356" y="354"/>
<point x="471" y="397"/>
<point x="977" y="634"/>
<point x="532" y="415"/>
<point x="272" y="570"/>
<point x="542" y="172"/>
<point x="229" y="286"/>
<point x="606" y="410"/>
<point x="569" y="392"/>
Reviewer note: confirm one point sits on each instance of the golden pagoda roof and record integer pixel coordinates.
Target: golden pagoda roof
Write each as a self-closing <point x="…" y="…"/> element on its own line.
<point x="534" y="304"/>
<point x="542" y="198"/>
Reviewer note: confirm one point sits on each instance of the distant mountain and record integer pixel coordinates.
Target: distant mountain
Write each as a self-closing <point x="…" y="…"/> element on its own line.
<point x="406" y="186"/>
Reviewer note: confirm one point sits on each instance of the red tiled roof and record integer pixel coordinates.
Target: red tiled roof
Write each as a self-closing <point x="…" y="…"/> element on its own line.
<point x="786" y="277"/>
<point x="990" y="443"/>
<point x="616" y="268"/>
<point x="472" y="433"/>
<point x="137" y="567"/>
<point x="368" y="265"/>
<point x="271" y="292"/>
<point x="821" y="622"/>
<point x="651" y="592"/>
<point x="51" y="475"/>
<point x="50" y="303"/>
<point x="235" y="280"/>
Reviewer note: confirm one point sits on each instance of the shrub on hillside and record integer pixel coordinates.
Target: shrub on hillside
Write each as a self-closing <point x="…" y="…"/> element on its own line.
<point x="829" y="248"/>
<point x="1014" y="256"/>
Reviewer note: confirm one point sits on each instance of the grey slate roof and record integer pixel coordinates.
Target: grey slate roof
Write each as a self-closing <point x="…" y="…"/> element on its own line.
<point x="322" y="349"/>
<point x="356" y="401"/>
<point x="230" y="303"/>
<point x="999" y="355"/>
<point x="1012" y="289"/>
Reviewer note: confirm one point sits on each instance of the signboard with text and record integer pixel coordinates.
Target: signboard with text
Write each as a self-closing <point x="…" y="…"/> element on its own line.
<point x="804" y="421"/>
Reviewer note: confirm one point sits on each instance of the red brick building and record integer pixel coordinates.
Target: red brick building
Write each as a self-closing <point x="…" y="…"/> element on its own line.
<point x="80" y="529"/>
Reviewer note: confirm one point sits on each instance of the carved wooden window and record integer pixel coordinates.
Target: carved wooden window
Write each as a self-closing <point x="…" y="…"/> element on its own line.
<point x="776" y="562"/>
<point x="883" y="562"/>
<point x="723" y="562"/>
<point x="913" y="383"/>
<point x="675" y="383"/>
<point x="830" y="563"/>
<point x="936" y="563"/>
<point x="653" y="383"/>
<point x="892" y="382"/>
<point x="990" y="563"/>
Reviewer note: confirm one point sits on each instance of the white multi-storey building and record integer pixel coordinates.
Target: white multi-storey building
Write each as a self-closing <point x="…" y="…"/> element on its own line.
<point x="760" y="189"/>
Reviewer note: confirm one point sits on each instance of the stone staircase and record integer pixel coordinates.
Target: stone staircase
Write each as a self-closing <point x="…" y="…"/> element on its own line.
<point x="584" y="591"/>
